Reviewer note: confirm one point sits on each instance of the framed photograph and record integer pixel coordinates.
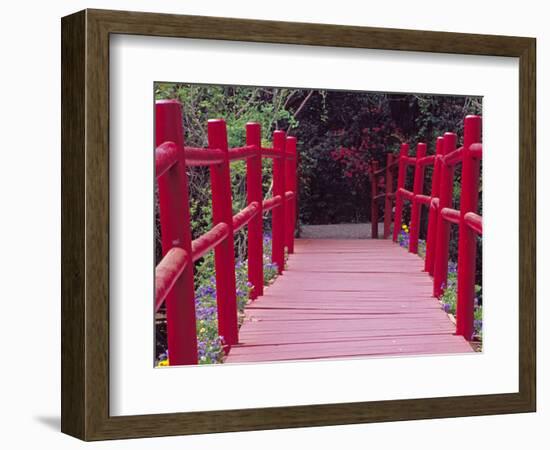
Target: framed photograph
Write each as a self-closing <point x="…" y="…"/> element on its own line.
<point x="273" y="225"/>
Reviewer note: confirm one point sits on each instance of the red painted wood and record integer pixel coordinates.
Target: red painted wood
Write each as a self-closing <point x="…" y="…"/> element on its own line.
<point x="450" y="215"/>
<point x="474" y="221"/>
<point x="254" y="194"/>
<point x="441" y="258"/>
<point x="271" y="152"/>
<point x="422" y="199"/>
<point x="245" y="216"/>
<point x="469" y="195"/>
<point x="166" y="155"/>
<point x="402" y="172"/>
<point x="224" y="253"/>
<point x="453" y="158"/>
<point x="405" y="194"/>
<point x="209" y="240"/>
<point x="476" y="151"/>
<point x="176" y="231"/>
<point x="434" y="207"/>
<point x="388" y="198"/>
<point x="203" y="156"/>
<point x="373" y="202"/>
<point x="421" y="149"/>
<point x="278" y="214"/>
<point x="167" y="274"/>
<point x="248" y="151"/>
<point x="272" y="203"/>
<point x="291" y="183"/>
<point x="425" y="160"/>
<point x="341" y="299"/>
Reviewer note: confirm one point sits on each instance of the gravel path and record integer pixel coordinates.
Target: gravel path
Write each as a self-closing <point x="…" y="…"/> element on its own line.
<point x="340" y="231"/>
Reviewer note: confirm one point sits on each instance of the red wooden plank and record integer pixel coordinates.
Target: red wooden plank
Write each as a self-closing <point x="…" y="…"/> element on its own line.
<point x="347" y="298"/>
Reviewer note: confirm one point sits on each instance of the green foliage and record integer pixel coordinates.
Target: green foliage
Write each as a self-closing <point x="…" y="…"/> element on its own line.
<point x="449" y="301"/>
<point x="272" y="108"/>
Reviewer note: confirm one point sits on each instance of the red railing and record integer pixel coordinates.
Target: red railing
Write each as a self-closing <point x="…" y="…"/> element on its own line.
<point x="441" y="214"/>
<point x="174" y="285"/>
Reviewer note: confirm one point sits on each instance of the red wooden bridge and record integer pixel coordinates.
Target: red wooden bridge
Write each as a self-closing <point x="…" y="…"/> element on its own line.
<point x="337" y="298"/>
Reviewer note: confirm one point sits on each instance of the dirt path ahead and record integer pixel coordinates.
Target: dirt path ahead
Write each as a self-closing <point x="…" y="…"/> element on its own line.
<point x="340" y="231"/>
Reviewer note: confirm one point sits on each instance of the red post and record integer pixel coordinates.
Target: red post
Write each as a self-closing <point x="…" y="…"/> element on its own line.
<point x="403" y="153"/>
<point x="291" y="185"/>
<point x="466" y="238"/>
<point x="255" y="226"/>
<point x="441" y="258"/>
<point x="373" y="202"/>
<point x="176" y="232"/>
<point x="278" y="214"/>
<point x="224" y="253"/>
<point x="417" y="190"/>
<point x="388" y="197"/>
<point x="434" y="210"/>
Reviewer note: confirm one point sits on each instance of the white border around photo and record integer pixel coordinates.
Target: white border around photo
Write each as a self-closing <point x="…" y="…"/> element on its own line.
<point x="136" y="387"/>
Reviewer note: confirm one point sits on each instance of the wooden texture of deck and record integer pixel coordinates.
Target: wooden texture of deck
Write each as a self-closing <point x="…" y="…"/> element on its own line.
<point x="346" y="298"/>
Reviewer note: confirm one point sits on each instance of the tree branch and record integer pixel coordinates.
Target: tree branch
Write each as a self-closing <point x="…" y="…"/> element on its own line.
<point x="301" y="107"/>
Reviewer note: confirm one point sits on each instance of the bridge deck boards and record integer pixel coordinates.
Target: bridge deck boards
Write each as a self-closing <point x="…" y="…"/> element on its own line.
<point x="346" y="298"/>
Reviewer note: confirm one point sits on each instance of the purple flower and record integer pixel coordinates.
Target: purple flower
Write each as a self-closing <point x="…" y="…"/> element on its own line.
<point x="446" y="307"/>
<point x="452" y="267"/>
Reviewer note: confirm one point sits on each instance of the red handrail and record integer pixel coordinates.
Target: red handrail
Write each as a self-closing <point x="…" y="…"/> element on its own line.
<point x="270" y="203"/>
<point x="248" y="151"/>
<point x="441" y="213"/>
<point x="203" y="156"/>
<point x="166" y="155"/>
<point x="451" y="215"/>
<point x="174" y="285"/>
<point x="167" y="274"/>
<point x="474" y="221"/>
<point x="373" y="203"/>
<point x="209" y="240"/>
<point x="243" y="217"/>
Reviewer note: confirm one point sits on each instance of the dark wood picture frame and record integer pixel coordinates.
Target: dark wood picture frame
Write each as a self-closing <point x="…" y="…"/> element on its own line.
<point x="85" y="224"/>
